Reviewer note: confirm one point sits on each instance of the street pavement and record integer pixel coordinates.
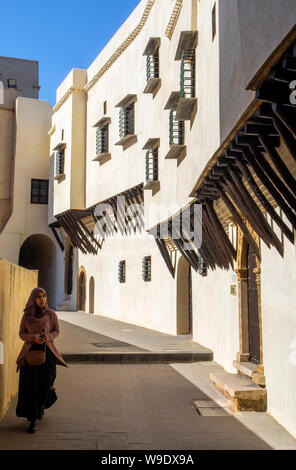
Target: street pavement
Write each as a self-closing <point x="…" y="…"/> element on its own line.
<point x="129" y="406"/>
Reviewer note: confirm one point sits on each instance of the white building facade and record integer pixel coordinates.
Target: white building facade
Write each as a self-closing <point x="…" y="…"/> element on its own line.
<point x="188" y="103"/>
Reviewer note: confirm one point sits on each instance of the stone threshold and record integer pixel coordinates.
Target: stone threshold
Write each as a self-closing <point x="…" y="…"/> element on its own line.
<point x="250" y="370"/>
<point x="243" y="393"/>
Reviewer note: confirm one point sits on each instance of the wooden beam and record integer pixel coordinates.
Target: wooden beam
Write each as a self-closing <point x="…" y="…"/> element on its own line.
<point x="285" y="191"/>
<point x="286" y="136"/>
<point x="285" y="117"/>
<point x="217" y="254"/>
<point x="221" y="253"/>
<point x="239" y="221"/>
<point x="273" y="91"/>
<point x="259" y="217"/>
<point x="278" y="163"/>
<point x="165" y="254"/>
<point x="249" y="155"/>
<point x="76" y="241"/>
<point x="57" y="237"/>
<point x="80" y="233"/>
<point x="89" y="233"/>
<point x="265" y="203"/>
<point x="223" y="236"/>
<point x="238" y="199"/>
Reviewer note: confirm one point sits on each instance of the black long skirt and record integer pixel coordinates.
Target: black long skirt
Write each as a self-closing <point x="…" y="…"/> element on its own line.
<point x="36" y="390"/>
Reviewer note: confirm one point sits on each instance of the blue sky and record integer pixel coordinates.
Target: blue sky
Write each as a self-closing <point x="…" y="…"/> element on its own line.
<point x="60" y="34"/>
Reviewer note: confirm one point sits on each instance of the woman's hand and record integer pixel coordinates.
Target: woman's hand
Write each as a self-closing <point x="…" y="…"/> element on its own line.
<point x="38" y="339"/>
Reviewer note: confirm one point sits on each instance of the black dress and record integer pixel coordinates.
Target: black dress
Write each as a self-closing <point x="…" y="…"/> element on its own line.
<point x="36" y="390"/>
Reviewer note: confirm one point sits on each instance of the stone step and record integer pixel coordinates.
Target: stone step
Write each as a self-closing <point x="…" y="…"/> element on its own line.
<point x="246" y="368"/>
<point x="244" y="394"/>
<point x="137" y="357"/>
<point x="249" y="369"/>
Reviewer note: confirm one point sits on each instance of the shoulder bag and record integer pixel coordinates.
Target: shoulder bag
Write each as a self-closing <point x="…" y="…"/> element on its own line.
<point x="35" y="357"/>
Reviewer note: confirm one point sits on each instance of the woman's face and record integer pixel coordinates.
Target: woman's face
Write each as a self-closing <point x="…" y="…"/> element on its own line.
<point x="40" y="299"/>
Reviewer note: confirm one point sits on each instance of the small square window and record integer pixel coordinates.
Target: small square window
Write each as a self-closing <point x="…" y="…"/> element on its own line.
<point x="39" y="191"/>
<point x="11" y="83"/>
<point x="126" y="120"/>
<point x="60" y="159"/>
<point x="121" y="271"/>
<point x="146" y="268"/>
<point x="102" y="138"/>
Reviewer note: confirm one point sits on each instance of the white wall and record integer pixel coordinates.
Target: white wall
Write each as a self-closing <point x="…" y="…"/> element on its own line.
<point x="135" y="301"/>
<point x="279" y="333"/>
<point x="215" y="315"/>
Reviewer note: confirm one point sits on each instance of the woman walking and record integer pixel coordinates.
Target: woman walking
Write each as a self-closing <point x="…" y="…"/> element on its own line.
<point x="39" y="327"/>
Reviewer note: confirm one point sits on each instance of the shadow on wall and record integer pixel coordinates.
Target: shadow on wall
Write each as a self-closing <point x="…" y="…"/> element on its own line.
<point x="38" y="252"/>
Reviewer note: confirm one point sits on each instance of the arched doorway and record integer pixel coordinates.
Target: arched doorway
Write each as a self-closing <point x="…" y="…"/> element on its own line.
<point x="81" y="289"/>
<point x="38" y="252"/>
<point x="249" y="284"/>
<point x="91" y="295"/>
<point x="184" y="301"/>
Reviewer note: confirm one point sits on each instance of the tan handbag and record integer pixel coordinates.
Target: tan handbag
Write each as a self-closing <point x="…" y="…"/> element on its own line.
<point x="35" y="357"/>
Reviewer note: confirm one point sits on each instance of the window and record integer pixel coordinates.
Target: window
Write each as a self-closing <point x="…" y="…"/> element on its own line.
<point x="214" y="22"/>
<point x="152" y="64"/>
<point x="62" y="135"/>
<point x="102" y="137"/>
<point x="60" y="159"/>
<point x="121" y="271"/>
<point x="105" y="107"/>
<point x="39" y="191"/>
<point x="187" y="74"/>
<point x="186" y="50"/>
<point x="176" y="129"/>
<point x="11" y="83"/>
<point x="146" y="268"/>
<point x="126" y="121"/>
<point x="152" y="165"/>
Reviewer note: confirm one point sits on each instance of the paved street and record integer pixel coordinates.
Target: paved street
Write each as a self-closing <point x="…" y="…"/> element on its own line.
<point x="138" y="406"/>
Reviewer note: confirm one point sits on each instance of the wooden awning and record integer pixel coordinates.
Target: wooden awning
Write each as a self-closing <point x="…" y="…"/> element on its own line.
<point x="128" y="100"/>
<point x="173" y="100"/>
<point x="188" y="40"/>
<point x="104" y="121"/>
<point x="79" y="224"/>
<point x="253" y="173"/>
<point x="151" y="144"/>
<point x="152" y="45"/>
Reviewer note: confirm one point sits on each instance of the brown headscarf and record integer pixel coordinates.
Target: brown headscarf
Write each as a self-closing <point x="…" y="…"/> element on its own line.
<point x="32" y="309"/>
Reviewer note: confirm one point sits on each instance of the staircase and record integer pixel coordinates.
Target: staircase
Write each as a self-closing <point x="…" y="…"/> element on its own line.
<point x="241" y="389"/>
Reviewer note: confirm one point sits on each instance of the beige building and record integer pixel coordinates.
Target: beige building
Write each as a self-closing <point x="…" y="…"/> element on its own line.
<point x="25" y="237"/>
